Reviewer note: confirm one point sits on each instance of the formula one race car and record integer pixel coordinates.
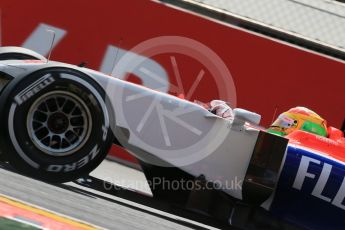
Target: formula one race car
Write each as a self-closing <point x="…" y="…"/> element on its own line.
<point x="58" y="122"/>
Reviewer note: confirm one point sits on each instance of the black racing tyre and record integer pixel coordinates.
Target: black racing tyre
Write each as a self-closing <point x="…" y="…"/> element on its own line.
<point x="19" y="53"/>
<point x="55" y="124"/>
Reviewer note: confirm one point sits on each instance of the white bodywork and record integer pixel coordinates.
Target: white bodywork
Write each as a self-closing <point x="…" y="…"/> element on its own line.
<point x="175" y="131"/>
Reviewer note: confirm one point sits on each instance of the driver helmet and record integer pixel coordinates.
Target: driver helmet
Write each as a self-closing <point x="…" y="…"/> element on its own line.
<point x="299" y="118"/>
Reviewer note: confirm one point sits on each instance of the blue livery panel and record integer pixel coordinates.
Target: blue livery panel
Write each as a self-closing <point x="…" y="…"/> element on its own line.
<point x="311" y="191"/>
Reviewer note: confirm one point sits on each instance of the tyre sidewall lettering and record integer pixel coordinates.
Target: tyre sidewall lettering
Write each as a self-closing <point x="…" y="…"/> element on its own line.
<point x="33" y="89"/>
<point x="39" y="87"/>
<point x="76" y="165"/>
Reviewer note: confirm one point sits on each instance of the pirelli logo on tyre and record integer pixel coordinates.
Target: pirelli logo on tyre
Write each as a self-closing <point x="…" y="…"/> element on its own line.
<point x="34" y="88"/>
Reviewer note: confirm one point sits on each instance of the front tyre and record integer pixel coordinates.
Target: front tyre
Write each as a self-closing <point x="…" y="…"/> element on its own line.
<point x="19" y="53"/>
<point x="55" y="124"/>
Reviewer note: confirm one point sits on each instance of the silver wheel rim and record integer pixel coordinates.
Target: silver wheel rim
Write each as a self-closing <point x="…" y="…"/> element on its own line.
<point x="59" y="123"/>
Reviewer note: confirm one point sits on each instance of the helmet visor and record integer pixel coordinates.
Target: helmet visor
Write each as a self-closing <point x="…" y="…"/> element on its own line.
<point x="284" y="122"/>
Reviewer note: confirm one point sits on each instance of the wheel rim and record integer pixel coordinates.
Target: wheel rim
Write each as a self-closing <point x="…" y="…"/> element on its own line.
<point x="59" y="123"/>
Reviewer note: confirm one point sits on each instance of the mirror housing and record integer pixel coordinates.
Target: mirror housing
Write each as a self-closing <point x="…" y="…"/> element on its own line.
<point x="241" y="116"/>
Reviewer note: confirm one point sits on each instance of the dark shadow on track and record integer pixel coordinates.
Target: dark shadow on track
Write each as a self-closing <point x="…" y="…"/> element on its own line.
<point x="93" y="184"/>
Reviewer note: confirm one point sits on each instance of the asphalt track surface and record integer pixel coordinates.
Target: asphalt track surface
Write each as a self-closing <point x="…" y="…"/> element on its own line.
<point x="91" y="206"/>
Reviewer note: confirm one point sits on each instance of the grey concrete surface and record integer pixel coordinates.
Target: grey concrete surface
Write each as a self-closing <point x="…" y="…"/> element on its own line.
<point x="317" y="20"/>
<point x="122" y="176"/>
<point x="85" y="204"/>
